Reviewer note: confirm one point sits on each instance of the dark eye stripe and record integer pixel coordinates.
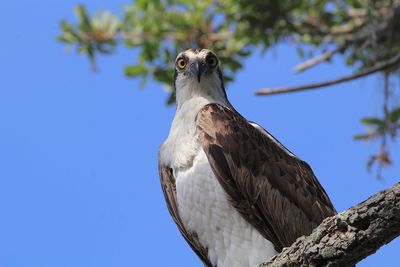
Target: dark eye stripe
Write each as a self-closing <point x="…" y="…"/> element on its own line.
<point x="211" y="60"/>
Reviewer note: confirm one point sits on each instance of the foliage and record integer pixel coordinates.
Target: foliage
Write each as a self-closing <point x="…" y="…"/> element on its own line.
<point x="364" y="32"/>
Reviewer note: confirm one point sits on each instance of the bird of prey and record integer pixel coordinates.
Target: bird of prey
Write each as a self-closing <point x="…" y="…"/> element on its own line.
<point x="237" y="195"/>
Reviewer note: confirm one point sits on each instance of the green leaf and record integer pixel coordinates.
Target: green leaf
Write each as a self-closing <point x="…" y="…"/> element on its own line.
<point x="394" y="115"/>
<point x="143" y="82"/>
<point x="163" y="75"/>
<point x="81" y="13"/>
<point x="172" y="98"/>
<point x="372" y="120"/>
<point x="65" y="26"/>
<point x="67" y="38"/>
<point x="134" y="71"/>
<point x="362" y="137"/>
<point x="300" y="51"/>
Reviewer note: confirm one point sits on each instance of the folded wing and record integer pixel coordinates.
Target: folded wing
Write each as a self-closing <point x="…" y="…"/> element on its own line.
<point x="271" y="188"/>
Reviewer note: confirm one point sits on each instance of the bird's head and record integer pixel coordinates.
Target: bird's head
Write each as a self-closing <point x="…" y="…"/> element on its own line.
<point x="197" y="73"/>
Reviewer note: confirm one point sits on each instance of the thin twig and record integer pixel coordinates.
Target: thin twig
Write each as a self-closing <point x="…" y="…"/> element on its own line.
<point x="281" y="90"/>
<point x="349" y="27"/>
<point x="316" y="60"/>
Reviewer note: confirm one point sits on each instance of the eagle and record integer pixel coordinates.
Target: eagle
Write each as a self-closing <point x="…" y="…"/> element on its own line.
<point x="237" y="195"/>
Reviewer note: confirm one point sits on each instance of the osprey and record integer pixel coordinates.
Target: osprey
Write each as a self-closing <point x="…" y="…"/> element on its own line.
<point x="237" y="195"/>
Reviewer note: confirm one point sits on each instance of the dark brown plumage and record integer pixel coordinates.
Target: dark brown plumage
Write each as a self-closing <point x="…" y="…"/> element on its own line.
<point x="275" y="192"/>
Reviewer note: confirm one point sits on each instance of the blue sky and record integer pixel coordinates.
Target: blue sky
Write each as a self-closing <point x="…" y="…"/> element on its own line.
<point x="78" y="151"/>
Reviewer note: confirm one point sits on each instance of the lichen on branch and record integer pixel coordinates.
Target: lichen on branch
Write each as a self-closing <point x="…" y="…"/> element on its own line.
<point x="348" y="237"/>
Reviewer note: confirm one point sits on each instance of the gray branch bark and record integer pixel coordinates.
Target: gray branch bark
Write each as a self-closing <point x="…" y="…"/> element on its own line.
<point x="348" y="237"/>
<point x="393" y="62"/>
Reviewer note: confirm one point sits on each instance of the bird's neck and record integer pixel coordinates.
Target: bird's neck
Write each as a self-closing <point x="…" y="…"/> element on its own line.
<point x="179" y="149"/>
<point x="191" y="93"/>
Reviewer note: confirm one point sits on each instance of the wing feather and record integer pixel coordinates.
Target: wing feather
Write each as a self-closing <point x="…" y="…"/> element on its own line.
<point x="273" y="190"/>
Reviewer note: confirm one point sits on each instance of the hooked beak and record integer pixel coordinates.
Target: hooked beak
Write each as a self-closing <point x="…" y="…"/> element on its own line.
<point x="197" y="69"/>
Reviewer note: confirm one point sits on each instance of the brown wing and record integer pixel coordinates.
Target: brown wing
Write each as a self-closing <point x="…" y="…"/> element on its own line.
<point x="275" y="192"/>
<point x="169" y="190"/>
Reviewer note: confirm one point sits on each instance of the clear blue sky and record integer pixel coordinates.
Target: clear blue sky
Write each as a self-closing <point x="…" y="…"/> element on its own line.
<point x="78" y="151"/>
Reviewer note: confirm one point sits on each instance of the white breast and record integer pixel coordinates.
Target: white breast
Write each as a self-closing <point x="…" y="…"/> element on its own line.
<point x="205" y="209"/>
<point x="202" y="203"/>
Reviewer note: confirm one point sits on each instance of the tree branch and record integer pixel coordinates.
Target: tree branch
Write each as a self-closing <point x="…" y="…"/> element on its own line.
<point x="316" y="60"/>
<point x="348" y="237"/>
<point x="379" y="67"/>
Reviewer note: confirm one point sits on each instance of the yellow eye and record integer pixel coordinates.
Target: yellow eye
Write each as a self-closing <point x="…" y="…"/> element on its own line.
<point x="212" y="61"/>
<point x="181" y="63"/>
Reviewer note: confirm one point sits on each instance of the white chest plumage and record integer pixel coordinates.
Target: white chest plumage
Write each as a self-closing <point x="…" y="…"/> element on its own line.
<point x="202" y="202"/>
<point x="205" y="209"/>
